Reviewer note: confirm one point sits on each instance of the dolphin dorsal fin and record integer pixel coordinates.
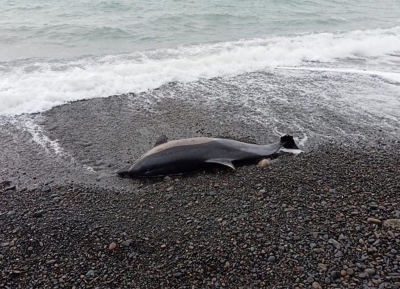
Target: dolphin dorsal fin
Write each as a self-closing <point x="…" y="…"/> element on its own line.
<point x="222" y="161"/>
<point x="162" y="139"/>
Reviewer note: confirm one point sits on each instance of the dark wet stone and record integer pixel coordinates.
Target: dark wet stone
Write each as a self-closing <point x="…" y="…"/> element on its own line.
<point x="271" y="259"/>
<point x="334" y="243"/>
<point x="10" y="188"/>
<point x="52" y="261"/>
<point x="370" y="271"/>
<point x="38" y="214"/>
<point x="126" y="243"/>
<point x="10" y="213"/>
<point x="335" y="275"/>
<point x="350" y="271"/>
<point x="46" y="189"/>
<point x="90" y="273"/>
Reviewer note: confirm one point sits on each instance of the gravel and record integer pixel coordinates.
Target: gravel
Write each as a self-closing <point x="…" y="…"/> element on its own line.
<point x="309" y="221"/>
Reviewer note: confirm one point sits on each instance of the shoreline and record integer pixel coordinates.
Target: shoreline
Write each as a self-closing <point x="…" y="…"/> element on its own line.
<point x="302" y="221"/>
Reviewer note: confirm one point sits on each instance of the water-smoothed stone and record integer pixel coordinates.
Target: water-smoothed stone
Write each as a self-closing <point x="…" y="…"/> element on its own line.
<point x="393" y="223"/>
<point x="334" y="243"/>
<point x="112" y="246"/>
<point x="335" y="275"/>
<point x="10" y="188"/>
<point x="126" y="243"/>
<point x="46" y="189"/>
<point x="90" y="273"/>
<point x="52" y="261"/>
<point x="370" y="271"/>
<point x="374" y="221"/>
<point x="322" y="267"/>
<point x="315" y="285"/>
<point x="38" y="214"/>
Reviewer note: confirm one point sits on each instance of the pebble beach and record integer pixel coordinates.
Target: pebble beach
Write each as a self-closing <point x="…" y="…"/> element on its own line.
<point x="328" y="218"/>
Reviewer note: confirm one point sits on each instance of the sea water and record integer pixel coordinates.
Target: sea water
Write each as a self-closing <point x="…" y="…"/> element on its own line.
<point x="54" y="52"/>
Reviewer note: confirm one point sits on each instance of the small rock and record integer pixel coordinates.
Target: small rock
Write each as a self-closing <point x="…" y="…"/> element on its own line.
<point x="334" y="243"/>
<point x="263" y="163"/>
<point x="394" y="223"/>
<point x="370" y="271"/>
<point x="315" y="285"/>
<point x="271" y="259"/>
<point x="363" y="275"/>
<point x="167" y="179"/>
<point x="10" y="188"/>
<point x="126" y="243"/>
<point x="343" y="273"/>
<point x="335" y="275"/>
<point x="327" y="280"/>
<point x="38" y="214"/>
<point x="177" y="274"/>
<point x="46" y="189"/>
<point x="90" y="273"/>
<point x="112" y="246"/>
<point x="338" y="254"/>
<point x="10" y="213"/>
<point x="5" y="244"/>
<point x="5" y="184"/>
<point x="374" y="221"/>
<point x="52" y="261"/>
<point x="350" y="272"/>
<point x="322" y="267"/>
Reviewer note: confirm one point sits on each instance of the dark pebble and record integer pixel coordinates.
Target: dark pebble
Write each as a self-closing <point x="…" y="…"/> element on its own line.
<point x="46" y="189"/>
<point x="10" y="188"/>
<point x="335" y="275"/>
<point x="38" y="214"/>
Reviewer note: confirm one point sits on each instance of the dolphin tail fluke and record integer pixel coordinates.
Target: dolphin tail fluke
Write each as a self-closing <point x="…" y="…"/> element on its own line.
<point x="288" y="142"/>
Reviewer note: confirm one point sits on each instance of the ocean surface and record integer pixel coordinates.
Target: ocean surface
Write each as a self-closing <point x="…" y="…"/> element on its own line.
<point x="53" y="52"/>
<point x="317" y="69"/>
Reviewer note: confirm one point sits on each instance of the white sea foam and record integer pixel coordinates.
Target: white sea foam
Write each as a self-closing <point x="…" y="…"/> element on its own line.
<point x="32" y="86"/>
<point x="393" y="76"/>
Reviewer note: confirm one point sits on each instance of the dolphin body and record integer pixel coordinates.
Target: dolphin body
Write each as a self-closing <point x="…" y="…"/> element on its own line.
<point x="193" y="154"/>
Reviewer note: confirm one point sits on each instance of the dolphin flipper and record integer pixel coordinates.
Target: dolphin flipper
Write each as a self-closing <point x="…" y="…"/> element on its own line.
<point x="162" y="139"/>
<point x="222" y="161"/>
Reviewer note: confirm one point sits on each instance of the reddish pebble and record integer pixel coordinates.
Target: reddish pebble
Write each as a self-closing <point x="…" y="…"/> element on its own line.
<point x="112" y="246"/>
<point x="374" y="221"/>
<point x="343" y="273"/>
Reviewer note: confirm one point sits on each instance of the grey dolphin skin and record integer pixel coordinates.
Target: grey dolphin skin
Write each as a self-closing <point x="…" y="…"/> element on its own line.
<point x="194" y="154"/>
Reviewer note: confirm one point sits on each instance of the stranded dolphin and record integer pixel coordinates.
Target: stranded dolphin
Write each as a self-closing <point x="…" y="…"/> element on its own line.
<point x="194" y="154"/>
